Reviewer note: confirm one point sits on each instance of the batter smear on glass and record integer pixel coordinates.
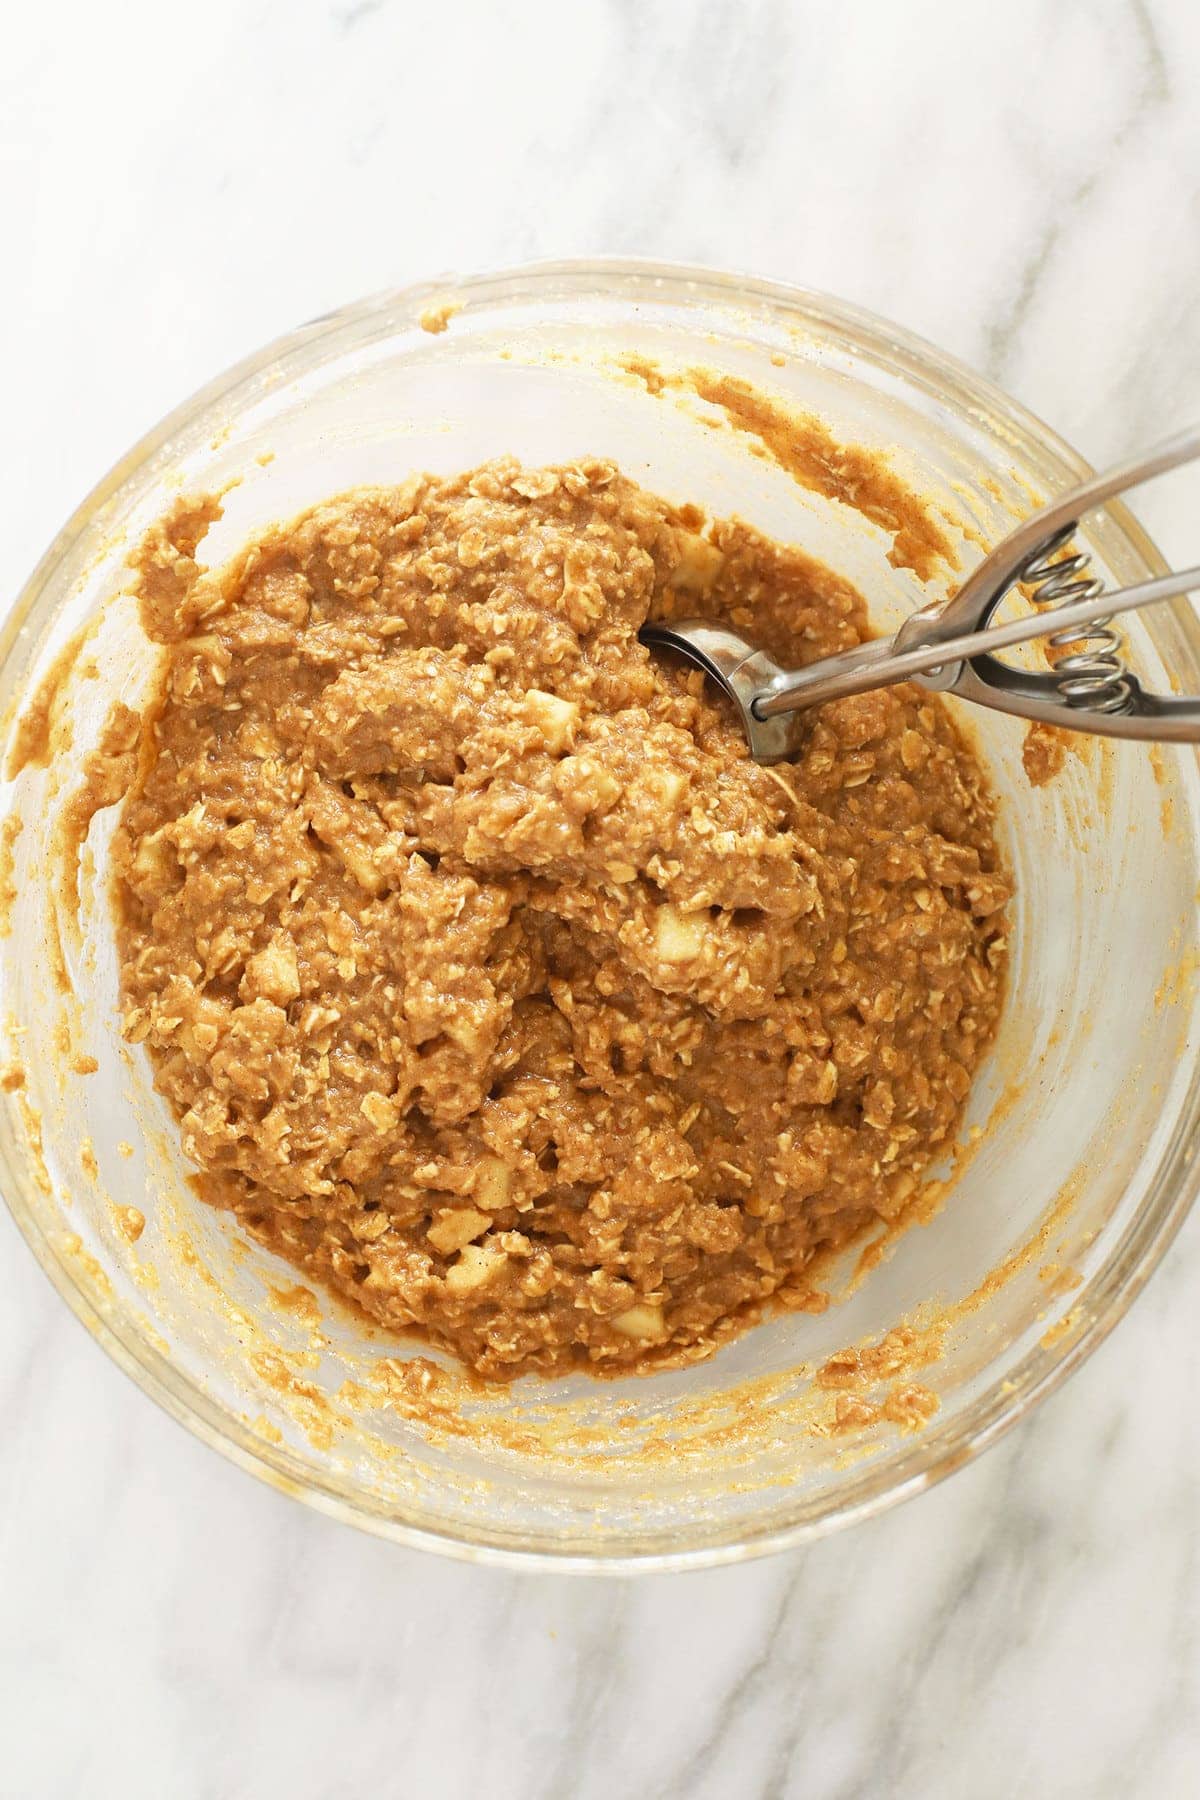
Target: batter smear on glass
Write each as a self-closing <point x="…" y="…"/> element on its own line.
<point x="492" y="984"/>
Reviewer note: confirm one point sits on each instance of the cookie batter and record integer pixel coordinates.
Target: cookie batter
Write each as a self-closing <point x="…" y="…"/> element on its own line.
<point x="492" y="984"/>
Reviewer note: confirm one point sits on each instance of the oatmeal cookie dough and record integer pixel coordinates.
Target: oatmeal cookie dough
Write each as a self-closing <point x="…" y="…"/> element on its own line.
<point x="492" y="984"/>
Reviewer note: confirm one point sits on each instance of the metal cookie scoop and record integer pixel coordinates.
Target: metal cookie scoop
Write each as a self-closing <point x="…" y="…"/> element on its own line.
<point x="952" y="649"/>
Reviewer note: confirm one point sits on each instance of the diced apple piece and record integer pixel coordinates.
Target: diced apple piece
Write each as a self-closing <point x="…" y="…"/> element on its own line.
<point x="678" y="936"/>
<point x="555" y="718"/>
<point x="668" y="785"/>
<point x="642" y="1322"/>
<point x="477" y="1264"/>
<point x="379" y="1111"/>
<point x="698" y="566"/>
<point x="493" y="1183"/>
<point x="453" y="1230"/>
<point x="154" y="860"/>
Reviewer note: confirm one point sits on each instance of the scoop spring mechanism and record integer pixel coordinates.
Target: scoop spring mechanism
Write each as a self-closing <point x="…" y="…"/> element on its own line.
<point x="952" y="648"/>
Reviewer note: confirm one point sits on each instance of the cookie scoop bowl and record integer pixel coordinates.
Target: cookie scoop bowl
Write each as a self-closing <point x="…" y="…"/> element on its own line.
<point x="1080" y="1170"/>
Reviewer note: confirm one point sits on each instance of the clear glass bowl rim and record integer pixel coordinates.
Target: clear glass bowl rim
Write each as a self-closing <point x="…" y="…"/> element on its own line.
<point x="953" y="384"/>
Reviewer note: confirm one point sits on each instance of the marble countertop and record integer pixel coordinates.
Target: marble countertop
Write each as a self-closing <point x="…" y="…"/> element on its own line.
<point x="1020" y="184"/>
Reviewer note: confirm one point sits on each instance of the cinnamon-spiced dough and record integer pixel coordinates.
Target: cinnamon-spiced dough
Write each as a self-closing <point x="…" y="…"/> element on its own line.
<point x="492" y="983"/>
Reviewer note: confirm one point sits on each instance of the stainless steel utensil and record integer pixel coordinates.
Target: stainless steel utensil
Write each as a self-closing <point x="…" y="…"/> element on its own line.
<point x="952" y="648"/>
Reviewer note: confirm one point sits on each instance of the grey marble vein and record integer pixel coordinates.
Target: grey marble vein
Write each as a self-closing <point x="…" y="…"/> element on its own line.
<point x="1055" y="238"/>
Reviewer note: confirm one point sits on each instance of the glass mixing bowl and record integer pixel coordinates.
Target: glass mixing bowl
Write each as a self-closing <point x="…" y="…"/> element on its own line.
<point x="1083" y="1120"/>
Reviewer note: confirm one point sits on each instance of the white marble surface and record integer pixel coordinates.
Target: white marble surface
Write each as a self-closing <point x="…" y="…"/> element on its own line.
<point x="1021" y="184"/>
